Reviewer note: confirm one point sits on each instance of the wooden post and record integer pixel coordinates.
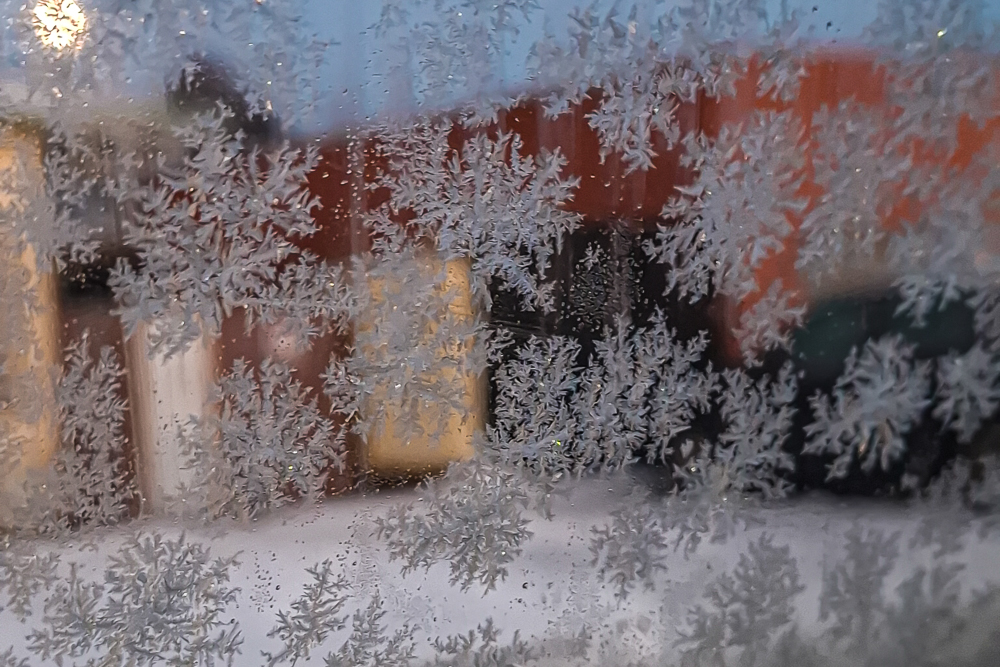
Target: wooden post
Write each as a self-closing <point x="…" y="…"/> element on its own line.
<point x="165" y="393"/>
<point x="29" y="344"/>
<point x="395" y="450"/>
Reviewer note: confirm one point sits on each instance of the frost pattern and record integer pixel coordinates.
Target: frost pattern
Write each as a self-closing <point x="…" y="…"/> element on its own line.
<point x="860" y="176"/>
<point x="481" y="648"/>
<point x="473" y="518"/>
<point x="746" y="609"/>
<point x="682" y="390"/>
<point x="219" y="229"/>
<point x="161" y="601"/>
<point x="646" y="61"/>
<point x="313" y="616"/>
<point x="455" y="51"/>
<point x="90" y="480"/>
<point x="758" y="418"/>
<point x="370" y="644"/>
<point x="853" y="587"/>
<point x="199" y="263"/>
<point x="535" y="417"/>
<point x="631" y="548"/>
<point x="135" y="44"/>
<point x="936" y="78"/>
<point x="876" y="401"/>
<point x="94" y="478"/>
<point x="316" y="614"/>
<point x="418" y="345"/>
<point x="947" y="243"/>
<point x="487" y="203"/>
<point x="770" y="322"/>
<point x="968" y="391"/>
<point x="641" y="389"/>
<point x="8" y="659"/>
<point x="613" y="401"/>
<point x="24" y="575"/>
<point x="736" y="213"/>
<point x="268" y="445"/>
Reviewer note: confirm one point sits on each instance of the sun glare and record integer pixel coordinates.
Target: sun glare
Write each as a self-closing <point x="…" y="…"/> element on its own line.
<point x="59" y="24"/>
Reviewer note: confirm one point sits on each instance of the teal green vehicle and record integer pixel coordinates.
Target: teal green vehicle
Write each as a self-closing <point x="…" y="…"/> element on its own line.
<point x="819" y="351"/>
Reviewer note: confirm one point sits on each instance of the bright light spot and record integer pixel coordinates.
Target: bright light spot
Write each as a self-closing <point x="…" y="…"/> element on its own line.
<point x="59" y="24"/>
<point x="942" y="32"/>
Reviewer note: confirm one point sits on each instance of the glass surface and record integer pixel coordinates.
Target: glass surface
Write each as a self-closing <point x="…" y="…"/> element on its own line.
<point x="511" y="333"/>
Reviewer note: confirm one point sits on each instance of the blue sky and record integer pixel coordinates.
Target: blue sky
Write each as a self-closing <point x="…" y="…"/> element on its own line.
<point x="351" y="72"/>
<point x="354" y="60"/>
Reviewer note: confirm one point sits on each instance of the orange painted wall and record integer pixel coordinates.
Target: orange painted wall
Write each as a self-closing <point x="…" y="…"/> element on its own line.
<point x="832" y="77"/>
<point x="606" y="193"/>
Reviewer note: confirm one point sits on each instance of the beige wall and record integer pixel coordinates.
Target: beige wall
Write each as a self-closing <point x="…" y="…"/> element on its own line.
<point x="29" y="332"/>
<point x="443" y="433"/>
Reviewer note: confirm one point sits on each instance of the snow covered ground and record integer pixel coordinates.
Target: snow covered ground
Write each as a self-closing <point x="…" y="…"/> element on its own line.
<point x="551" y="592"/>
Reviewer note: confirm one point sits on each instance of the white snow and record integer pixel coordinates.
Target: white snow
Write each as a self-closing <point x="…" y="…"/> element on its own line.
<point x="550" y="591"/>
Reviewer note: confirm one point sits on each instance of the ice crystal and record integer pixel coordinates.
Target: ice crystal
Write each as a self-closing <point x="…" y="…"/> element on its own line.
<point x="219" y="223"/>
<point x="984" y="491"/>
<point x="481" y="648"/>
<point x="963" y="484"/>
<point x="985" y="304"/>
<point x="632" y="548"/>
<point x="472" y="517"/>
<point x="853" y="588"/>
<point x="783" y="56"/>
<point x="703" y="505"/>
<point x="860" y="177"/>
<point x="32" y="181"/>
<point x="926" y="622"/>
<point x="9" y="659"/>
<point x="876" y="401"/>
<point x="942" y="54"/>
<point x="24" y="574"/>
<point x="217" y="234"/>
<point x="418" y="345"/>
<point x="750" y="616"/>
<point x="314" y="616"/>
<point x="613" y="401"/>
<point x="946" y="242"/>
<point x="535" y="414"/>
<point x="746" y="609"/>
<point x="269" y="443"/>
<point x="791" y="649"/>
<point x="23" y="397"/>
<point x="486" y="203"/>
<point x="736" y="213"/>
<point x="748" y="459"/>
<point x="370" y="643"/>
<point x="343" y="388"/>
<point x="280" y="74"/>
<point x="923" y="620"/>
<point x="929" y="26"/>
<point x="641" y="389"/>
<point x="682" y="387"/>
<point x="967" y="390"/>
<point x="94" y="467"/>
<point x="90" y="481"/>
<point x="454" y="52"/>
<point x="133" y="43"/>
<point x="770" y="322"/>
<point x="646" y="61"/>
<point x="162" y="602"/>
<point x="758" y="418"/>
